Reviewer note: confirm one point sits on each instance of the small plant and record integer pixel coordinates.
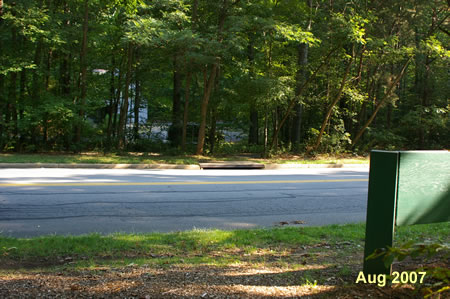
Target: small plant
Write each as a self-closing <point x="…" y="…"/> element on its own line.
<point x="439" y="276"/>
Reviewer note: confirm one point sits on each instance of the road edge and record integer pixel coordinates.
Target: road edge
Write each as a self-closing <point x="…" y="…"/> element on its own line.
<point x="269" y="166"/>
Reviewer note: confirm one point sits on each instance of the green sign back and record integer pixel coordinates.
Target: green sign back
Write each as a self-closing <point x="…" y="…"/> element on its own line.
<point x="423" y="187"/>
<point x="405" y="187"/>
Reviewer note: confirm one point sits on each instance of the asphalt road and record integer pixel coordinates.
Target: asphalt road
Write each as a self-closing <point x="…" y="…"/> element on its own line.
<point x="77" y="201"/>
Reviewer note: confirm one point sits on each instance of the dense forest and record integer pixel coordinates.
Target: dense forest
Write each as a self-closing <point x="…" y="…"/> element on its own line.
<point x="301" y="76"/>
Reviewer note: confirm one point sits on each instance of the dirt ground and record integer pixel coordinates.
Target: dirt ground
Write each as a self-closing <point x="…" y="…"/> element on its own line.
<point x="241" y="280"/>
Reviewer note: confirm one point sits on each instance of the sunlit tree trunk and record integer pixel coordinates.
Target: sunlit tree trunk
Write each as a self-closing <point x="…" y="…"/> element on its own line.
<point x="126" y="94"/>
<point x="380" y="103"/>
<point x="209" y="81"/>
<point x="295" y="99"/>
<point x="83" y="81"/>
<point x="208" y="86"/>
<point x="335" y="101"/>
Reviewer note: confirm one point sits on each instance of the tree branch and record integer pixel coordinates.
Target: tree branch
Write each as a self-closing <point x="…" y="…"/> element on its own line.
<point x="297" y="96"/>
<point x="381" y="102"/>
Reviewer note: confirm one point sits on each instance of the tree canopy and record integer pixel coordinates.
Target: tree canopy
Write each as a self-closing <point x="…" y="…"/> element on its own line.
<point x="305" y="76"/>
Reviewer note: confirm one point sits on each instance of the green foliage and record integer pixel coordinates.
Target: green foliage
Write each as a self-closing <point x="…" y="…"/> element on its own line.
<point x="269" y="54"/>
<point x="438" y="277"/>
<point x="336" y="141"/>
<point x="229" y="148"/>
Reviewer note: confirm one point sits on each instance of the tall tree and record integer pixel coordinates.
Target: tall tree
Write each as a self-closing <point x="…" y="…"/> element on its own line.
<point x="83" y="75"/>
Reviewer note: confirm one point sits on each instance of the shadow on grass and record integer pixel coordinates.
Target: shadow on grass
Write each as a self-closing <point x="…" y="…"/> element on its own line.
<point x="293" y="262"/>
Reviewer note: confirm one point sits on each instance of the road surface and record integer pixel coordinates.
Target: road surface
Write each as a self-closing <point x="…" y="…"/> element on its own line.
<point x="77" y="201"/>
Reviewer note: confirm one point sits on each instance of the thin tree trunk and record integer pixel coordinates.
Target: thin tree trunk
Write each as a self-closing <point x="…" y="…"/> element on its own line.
<point x="187" y="90"/>
<point x="2" y="100"/>
<point x="186" y="109"/>
<point x="137" y="106"/>
<point x="330" y="108"/>
<point x="117" y="102"/>
<point x="275" y="122"/>
<point x="83" y="81"/>
<point x="266" y="131"/>
<point x="254" y="126"/>
<point x="301" y="76"/>
<point x="126" y="94"/>
<point x="12" y="100"/>
<point x="65" y="76"/>
<point x="212" y="130"/>
<point x="111" y="106"/>
<point x="175" y="130"/>
<point x="381" y="102"/>
<point x="294" y="100"/>
<point x="21" y="103"/>
<point x="208" y="85"/>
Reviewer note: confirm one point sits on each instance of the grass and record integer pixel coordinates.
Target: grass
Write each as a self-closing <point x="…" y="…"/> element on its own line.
<point x="95" y="158"/>
<point x="316" y="262"/>
<point x="211" y="247"/>
<point x="151" y="158"/>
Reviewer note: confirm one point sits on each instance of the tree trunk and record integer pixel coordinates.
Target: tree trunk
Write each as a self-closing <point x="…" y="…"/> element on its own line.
<point x="254" y="126"/>
<point x="2" y="101"/>
<point x="253" y="129"/>
<point x="294" y="100"/>
<point x="266" y="132"/>
<point x="65" y="76"/>
<point x="175" y="130"/>
<point x="212" y="130"/>
<point x="208" y="85"/>
<point x="186" y="109"/>
<point x="111" y="107"/>
<point x="12" y="111"/>
<point x="21" y="103"/>
<point x="117" y="105"/>
<point x="209" y="82"/>
<point x="35" y="88"/>
<point x="48" y="70"/>
<point x="301" y="77"/>
<point x="83" y="81"/>
<point x="137" y="106"/>
<point x="381" y="102"/>
<point x="330" y="108"/>
<point x="126" y="94"/>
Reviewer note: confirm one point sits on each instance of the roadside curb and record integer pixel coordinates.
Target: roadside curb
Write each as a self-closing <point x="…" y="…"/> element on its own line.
<point x="229" y="165"/>
<point x="295" y="166"/>
<point x="99" y="166"/>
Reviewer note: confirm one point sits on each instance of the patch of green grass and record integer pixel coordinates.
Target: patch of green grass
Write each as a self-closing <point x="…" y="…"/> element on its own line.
<point x="149" y="158"/>
<point x="322" y="161"/>
<point x="211" y="247"/>
<point x="93" y="158"/>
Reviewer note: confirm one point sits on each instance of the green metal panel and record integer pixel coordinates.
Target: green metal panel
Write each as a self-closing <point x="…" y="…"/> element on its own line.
<point x="423" y="187"/>
<point x="380" y="208"/>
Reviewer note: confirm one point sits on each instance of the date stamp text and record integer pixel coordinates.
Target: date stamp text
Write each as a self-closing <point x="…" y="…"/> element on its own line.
<point x="396" y="277"/>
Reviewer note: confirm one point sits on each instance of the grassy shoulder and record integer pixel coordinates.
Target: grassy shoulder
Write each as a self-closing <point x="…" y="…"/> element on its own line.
<point x="315" y="262"/>
<point x="200" y="246"/>
<point x="153" y="158"/>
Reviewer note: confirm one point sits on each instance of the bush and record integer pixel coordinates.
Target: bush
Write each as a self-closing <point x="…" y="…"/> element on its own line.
<point x="438" y="276"/>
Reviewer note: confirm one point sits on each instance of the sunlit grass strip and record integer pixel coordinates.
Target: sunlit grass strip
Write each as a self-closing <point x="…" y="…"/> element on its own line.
<point x="96" y="158"/>
<point x="198" y="244"/>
